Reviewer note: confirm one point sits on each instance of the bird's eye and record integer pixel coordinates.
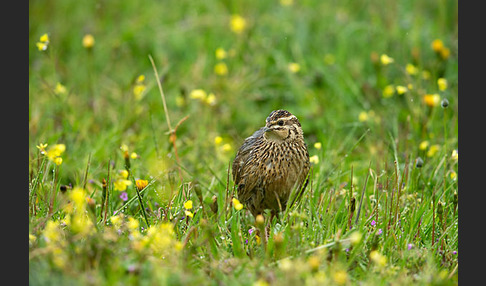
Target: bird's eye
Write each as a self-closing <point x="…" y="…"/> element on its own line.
<point x="280" y="122"/>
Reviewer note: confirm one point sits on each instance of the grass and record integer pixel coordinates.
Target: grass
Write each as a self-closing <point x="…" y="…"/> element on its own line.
<point x="381" y="206"/>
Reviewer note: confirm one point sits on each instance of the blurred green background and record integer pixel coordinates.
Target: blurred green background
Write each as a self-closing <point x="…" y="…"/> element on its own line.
<point x="333" y="42"/>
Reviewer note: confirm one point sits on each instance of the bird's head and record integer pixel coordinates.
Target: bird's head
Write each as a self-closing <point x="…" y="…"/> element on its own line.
<point x="281" y="126"/>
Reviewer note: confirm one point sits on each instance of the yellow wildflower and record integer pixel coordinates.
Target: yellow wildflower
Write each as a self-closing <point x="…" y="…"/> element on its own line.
<point x="116" y="220"/>
<point x="59" y="89"/>
<point x="258" y="239"/>
<point x="78" y="196"/>
<point x="54" y="153"/>
<point x="261" y="282"/>
<point x="178" y="246"/>
<point x="437" y="45"/>
<point x="67" y="220"/>
<point x="340" y="277"/>
<point x="81" y="223"/>
<point x="363" y="116"/>
<point x="442" y="83"/>
<point x="141" y="184"/>
<point x="121" y="184"/>
<point x="41" y="46"/>
<point x="218" y="140"/>
<point x="314" y="263"/>
<point x="188" y="205"/>
<point x="236" y="204"/>
<point x="133" y="224"/>
<point x="445" y="53"/>
<point x="411" y="69"/>
<point x="60" y="148"/>
<point x="401" y="89"/>
<point x="314" y="159"/>
<point x="293" y="67"/>
<point x="388" y="91"/>
<point x="138" y="90"/>
<point x="432" y="99"/>
<point x="52" y="233"/>
<point x="424" y="145"/>
<point x="355" y="237"/>
<point x="226" y="147"/>
<point x="57" y="161"/>
<point x="189" y="214"/>
<point x="377" y="258"/>
<point x="124" y="148"/>
<point x="237" y="24"/>
<point x="198" y="94"/>
<point x="32" y="239"/>
<point x="221" y="69"/>
<point x="210" y="99"/>
<point x="42" y="147"/>
<point x="124" y="174"/>
<point x="386" y="60"/>
<point x="59" y="257"/>
<point x="455" y="155"/>
<point x="285" y="264"/>
<point x="44" y="43"/>
<point x="286" y="2"/>
<point x="44" y="38"/>
<point x="433" y="150"/>
<point x="410" y="86"/>
<point x="88" y="41"/>
<point x="453" y="175"/>
<point x="221" y="53"/>
<point x="68" y="208"/>
<point x="318" y="145"/>
<point x="134" y="155"/>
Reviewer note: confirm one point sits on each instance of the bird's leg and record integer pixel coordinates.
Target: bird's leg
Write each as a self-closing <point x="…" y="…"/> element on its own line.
<point x="273" y="214"/>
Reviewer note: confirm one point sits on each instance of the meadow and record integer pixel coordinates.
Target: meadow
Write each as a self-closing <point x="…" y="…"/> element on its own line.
<point x="137" y="109"/>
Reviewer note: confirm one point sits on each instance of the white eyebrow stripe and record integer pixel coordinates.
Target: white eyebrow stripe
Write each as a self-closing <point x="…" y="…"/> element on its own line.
<point x="286" y="118"/>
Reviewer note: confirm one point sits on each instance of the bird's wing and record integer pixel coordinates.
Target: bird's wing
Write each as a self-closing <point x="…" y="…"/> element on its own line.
<point x="244" y="154"/>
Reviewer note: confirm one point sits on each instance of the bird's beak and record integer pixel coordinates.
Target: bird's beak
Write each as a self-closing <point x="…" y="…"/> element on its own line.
<point x="266" y="129"/>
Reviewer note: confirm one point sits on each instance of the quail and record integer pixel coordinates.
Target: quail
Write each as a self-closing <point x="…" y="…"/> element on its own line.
<point x="271" y="163"/>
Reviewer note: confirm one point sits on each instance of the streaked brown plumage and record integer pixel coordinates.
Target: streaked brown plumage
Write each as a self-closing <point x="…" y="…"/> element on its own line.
<point x="271" y="163"/>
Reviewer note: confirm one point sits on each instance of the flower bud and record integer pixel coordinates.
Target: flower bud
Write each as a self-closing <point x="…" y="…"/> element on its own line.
<point x="444" y="103"/>
<point x="259" y="220"/>
<point x="419" y="162"/>
<point x="214" y="204"/>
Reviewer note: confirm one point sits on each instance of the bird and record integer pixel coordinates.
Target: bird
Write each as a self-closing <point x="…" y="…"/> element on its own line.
<point x="270" y="164"/>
